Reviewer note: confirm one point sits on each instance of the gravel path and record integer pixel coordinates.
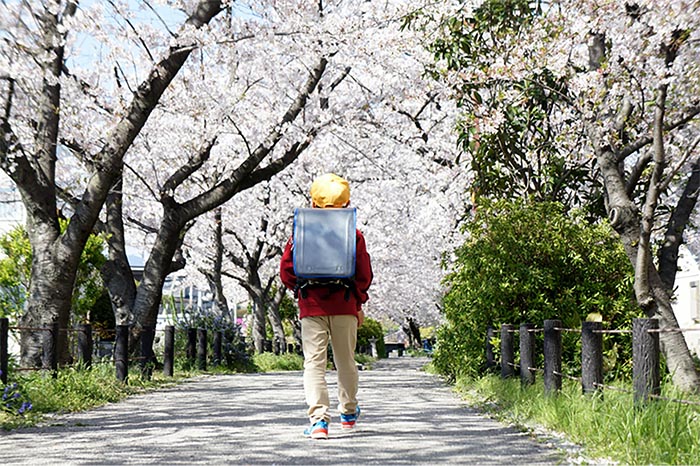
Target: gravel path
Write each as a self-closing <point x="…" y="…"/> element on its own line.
<point x="408" y="417"/>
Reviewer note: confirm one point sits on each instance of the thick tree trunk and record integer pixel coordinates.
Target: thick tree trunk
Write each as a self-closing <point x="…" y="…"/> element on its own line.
<point x="49" y="299"/>
<point x="157" y="268"/>
<point x="651" y="293"/>
<point x="678" y="359"/>
<point x="116" y="273"/>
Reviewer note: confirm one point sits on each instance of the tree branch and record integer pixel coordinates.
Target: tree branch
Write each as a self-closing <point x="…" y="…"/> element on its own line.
<point x="229" y="187"/>
<point x="184" y="172"/>
<point x="642" y="141"/>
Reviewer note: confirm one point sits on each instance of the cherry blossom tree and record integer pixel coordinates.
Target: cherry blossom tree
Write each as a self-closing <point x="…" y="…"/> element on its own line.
<point x="47" y="107"/>
<point x="374" y="119"/>
<point x="628" y="82"/>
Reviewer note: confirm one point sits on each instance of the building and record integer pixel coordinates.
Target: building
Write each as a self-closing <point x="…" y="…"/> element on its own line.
<point x="686" y="303"/>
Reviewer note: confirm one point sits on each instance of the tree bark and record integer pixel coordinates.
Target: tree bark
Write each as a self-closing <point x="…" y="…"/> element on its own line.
<point x="273" y="313"/>
<point x="117" y="273"/>
<point x="214" y="276"/>
<point x="651" y="293"/>
<point x="673" y="238"/>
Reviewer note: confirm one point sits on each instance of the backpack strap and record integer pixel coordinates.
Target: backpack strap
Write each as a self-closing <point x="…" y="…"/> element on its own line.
<point x="332" y="284"/>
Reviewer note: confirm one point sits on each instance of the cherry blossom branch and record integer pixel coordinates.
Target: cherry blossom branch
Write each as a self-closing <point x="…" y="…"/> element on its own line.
<point x="679" y="164"/>
<point x="687" y="115"/>
<point x="155" y="12"/>
<point x="133" y="29"/>
<point x="87" y="90"/>
<point x="245" y="173"/>
<point x="142" y="226"/>
<point x="142" y="180"/>
<point x="186" y="170"/>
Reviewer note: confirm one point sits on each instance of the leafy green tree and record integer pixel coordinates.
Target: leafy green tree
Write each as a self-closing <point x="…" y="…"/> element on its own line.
<point x="15" y="272"/>
<point x="515" y="152"/>
<point x="527" y="262"/>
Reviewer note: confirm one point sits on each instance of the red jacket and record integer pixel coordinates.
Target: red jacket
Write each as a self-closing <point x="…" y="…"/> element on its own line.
<point x="318" y="301"/>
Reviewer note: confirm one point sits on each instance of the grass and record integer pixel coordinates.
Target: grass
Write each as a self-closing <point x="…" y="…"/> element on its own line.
<point x="270" y="362"/>
<point x="365" y="359"/>
<point x="611" y="426"/>
<point x="74" y="390"/>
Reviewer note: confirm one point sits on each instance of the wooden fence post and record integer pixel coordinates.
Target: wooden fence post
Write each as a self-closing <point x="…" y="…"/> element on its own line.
<point x="147" y="336"/>
<point x="592" y="357"/>
<point x="169" y="351"/>
<point x="4" y="357"/>
<point x="202" y="349"/>
<point x="191" y="344"/>
<point x="218" y="337"/>
<point x="507" y="356"/>
<point x="527" y="354"/>
<point x="645" y="359"/>
<point x="552" y="356"/>
<point x="85" y="345"/>
<point x="490" y="359"/>
<point x="121" y="352"/>
<point x="50" y="347"/>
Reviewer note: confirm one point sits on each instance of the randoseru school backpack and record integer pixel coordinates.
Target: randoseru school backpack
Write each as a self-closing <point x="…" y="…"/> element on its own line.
<point x="324" y="249"/>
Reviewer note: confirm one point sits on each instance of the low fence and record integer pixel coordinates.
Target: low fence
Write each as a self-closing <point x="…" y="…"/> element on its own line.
<point x="197" y="346"/>
<point x="645" y="356"/>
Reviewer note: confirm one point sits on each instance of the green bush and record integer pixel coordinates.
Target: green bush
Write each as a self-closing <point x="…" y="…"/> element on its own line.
<point x="527" y="262"/>
<point x="371" y="328"/>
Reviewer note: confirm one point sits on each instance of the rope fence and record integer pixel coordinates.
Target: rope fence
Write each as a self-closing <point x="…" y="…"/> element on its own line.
<point x="197" y="344"/>
<point x="645" y="357"/>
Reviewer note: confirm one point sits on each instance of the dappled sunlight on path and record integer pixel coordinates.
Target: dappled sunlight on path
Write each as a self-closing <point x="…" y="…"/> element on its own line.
<point x="409" y="417"/>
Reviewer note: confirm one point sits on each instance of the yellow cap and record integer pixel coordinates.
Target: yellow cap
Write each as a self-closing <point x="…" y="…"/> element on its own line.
<point x="330" y="190"/>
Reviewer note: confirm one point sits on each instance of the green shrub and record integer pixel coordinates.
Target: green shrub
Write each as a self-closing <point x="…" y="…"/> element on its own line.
<point x="370" y="328"/>
<point x="527" y="262"/>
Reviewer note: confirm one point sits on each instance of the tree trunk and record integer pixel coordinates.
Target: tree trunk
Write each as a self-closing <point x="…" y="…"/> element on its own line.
<point x="157" y="268"/>
<point x="258" y="332"/>
<point x="214" y="276"/>
<point x="653" y="298"/>
<point x="413" y="332"/>
<point x="49" y="299"/>
<point x="673" y="345"/>
<point x="273" y="313"/>
<point x="116" y="273"/>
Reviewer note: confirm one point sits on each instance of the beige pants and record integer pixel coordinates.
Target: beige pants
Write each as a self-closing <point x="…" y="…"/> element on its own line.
<point x="315" y="334"/>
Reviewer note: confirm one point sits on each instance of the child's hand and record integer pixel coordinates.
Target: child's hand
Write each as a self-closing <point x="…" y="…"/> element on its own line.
<point x="360" y="317"/>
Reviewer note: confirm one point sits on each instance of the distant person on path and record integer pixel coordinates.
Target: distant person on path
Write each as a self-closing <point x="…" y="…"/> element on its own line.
<point x="330" y="312"/>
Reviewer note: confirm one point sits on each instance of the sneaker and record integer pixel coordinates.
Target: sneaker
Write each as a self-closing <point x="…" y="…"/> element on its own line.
<point x="348" y="420"/>
<point x="318" y="430"/>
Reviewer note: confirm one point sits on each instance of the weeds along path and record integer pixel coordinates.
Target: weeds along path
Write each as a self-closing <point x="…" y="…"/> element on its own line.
<point x="408" y="417"/>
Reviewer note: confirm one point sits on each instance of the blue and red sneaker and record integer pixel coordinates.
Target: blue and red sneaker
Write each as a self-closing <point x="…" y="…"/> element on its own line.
<point x="318" y="430"/>
<point x="348" y="421"/>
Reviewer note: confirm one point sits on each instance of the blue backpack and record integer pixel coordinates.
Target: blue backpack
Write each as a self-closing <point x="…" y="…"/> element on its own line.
<point x="324" y="249"/>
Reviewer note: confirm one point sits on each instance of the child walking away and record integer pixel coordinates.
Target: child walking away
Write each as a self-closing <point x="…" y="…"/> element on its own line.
<point x="327" y="265"/>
